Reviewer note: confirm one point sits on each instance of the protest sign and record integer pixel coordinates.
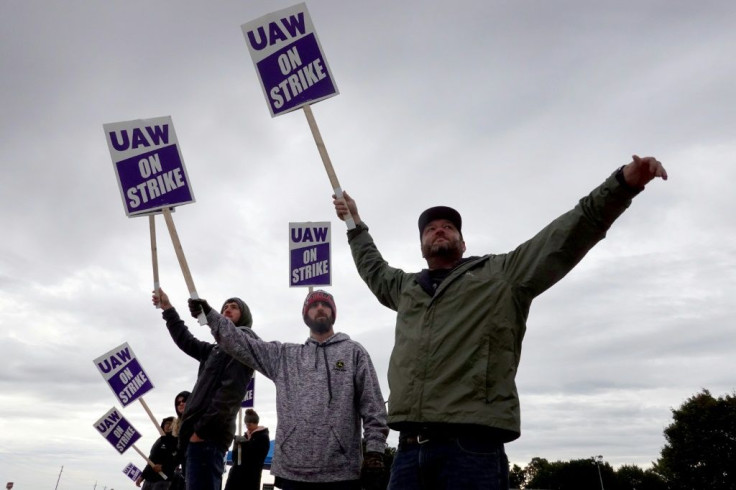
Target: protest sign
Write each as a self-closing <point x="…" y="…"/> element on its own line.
<point x="126" y="377"/>
<point x="120" y="434"/>
<point x="124" y="374"/>
<point x="288" y="58"/>
<point x="309" y="254"/>
<point x="117" y="430"/>
<point x="293" y="71"/>
<point x="132" y="471"/>
<point x="148" y="165"/>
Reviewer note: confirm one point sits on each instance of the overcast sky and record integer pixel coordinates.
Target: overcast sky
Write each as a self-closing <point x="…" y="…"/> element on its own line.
<point x="509" y="111"/>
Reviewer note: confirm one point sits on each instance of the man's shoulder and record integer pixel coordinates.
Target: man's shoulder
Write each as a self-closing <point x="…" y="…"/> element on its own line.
<point x="248" y="332"/>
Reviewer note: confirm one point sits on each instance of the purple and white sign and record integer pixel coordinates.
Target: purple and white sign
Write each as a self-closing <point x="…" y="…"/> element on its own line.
<point x="288" y="57"/>
<point x="124" y="374"/>
<point x="117" y="430"/>
<point x="148" y="164"/>
<point x="249" y="394"/>
<point x="309" y="254"/>
<point x="132" y="471"/>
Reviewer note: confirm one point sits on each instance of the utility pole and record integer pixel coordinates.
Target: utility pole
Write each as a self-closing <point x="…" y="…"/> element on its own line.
<point x="57" y="480"/>
<point x="597" y="460"/>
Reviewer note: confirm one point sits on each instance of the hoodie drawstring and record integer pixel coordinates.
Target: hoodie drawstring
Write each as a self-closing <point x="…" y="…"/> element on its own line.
<point x="327" y="368"/>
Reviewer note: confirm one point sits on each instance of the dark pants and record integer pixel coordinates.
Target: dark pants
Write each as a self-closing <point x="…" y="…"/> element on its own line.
<point x="205" y="465"/>
<point x="446" y="463"/>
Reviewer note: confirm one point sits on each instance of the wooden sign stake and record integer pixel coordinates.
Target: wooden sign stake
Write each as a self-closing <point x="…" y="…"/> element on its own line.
<point x="326" y="161"/>
<point x="182" y="261"/>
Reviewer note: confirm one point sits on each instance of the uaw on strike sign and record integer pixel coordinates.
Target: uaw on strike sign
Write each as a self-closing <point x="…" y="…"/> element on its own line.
<point x="124" y="374"/>
<point x="309" y="252"/>
<point x="117" y="430"/>
<point x="148" y="163"/>
<point x="289" y="60"/>
<point x="132" y="471"/>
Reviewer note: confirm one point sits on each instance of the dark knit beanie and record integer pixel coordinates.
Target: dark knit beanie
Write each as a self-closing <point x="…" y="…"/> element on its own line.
<point x="246" y="320"/>
<point x="319" y="295"/>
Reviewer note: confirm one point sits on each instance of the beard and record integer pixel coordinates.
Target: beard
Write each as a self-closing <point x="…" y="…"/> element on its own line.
<point x="448" y="249"/>
<point x="319" y="325"/>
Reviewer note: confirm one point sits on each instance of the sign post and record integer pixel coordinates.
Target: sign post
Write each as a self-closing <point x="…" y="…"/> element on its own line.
<point x="154" y="252"/>
<point x="152" y="179"/>
<point x="293" y="71"/>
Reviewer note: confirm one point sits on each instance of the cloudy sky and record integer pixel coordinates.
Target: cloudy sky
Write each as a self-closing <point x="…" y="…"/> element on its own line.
<point x="509" y="111"/>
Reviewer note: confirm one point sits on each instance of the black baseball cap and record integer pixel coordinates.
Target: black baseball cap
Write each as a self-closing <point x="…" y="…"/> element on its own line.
<point x="440" y="212"/>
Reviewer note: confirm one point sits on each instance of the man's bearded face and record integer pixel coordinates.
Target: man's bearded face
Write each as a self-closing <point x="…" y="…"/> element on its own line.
<point x="440" y="238"/>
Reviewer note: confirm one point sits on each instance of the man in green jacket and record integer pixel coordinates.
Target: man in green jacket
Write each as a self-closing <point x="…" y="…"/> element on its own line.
<point x="459" y="329"/>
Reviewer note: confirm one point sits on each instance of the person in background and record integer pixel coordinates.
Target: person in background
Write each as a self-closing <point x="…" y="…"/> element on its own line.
<point x="163" y="455"/>
<point x="180" y="404"/>
<point x="249" y="453"/>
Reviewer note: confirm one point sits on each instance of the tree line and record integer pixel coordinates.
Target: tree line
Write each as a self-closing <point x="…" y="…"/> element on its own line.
<point x="699" y="454"/>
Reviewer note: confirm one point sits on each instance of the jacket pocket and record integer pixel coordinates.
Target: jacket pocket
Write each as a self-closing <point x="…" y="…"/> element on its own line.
<point x="308" y="447"/>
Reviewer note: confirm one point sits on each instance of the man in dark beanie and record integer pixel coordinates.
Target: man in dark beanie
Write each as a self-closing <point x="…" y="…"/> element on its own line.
<point x="459" y="327"/>
<point x="325" y="388"/>
<point x="208" y="424"/>
<point x="249" y="453"/>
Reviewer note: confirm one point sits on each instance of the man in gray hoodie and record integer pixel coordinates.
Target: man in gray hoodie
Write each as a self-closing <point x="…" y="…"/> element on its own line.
<point x="325" y="387"/>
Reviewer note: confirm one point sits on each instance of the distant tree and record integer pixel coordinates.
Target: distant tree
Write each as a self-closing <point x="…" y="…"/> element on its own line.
<point x="576" y="474"/>
<point x="701" y="445"/>
<point x="517" y="477"/>
<point x="631" y="477"/>
<point x="538" y="472"/>
<point x="582" y="474"/>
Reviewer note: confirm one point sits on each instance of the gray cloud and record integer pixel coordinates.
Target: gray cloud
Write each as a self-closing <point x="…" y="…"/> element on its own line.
<point x="509" y="111"/>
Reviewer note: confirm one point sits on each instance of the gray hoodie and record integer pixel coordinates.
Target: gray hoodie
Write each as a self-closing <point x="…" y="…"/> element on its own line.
<point x="323" y="392"/>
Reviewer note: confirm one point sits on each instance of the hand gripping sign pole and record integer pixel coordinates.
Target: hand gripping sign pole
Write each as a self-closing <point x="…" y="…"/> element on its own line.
<point x="182" y="261"/>
<point x="150" y="463"/>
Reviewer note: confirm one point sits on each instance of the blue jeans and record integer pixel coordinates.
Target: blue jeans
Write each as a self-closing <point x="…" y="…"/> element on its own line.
<point x="465" y="462"/>
<point x="205" y="465"/>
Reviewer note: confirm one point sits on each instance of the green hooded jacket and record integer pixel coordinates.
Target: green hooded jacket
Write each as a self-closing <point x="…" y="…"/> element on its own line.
<point x="456" y="352"/>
